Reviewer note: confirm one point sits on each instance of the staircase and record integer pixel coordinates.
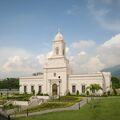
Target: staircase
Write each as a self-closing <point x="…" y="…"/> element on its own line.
<point x="34" y="101"/>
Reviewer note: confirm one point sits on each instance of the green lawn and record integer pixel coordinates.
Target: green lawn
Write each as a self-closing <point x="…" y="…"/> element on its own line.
<point x="67" y="99"/>
<point x="105" y="109"/>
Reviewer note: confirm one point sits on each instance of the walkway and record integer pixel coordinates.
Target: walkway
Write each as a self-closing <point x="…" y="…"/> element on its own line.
<point x="74" y="107"/>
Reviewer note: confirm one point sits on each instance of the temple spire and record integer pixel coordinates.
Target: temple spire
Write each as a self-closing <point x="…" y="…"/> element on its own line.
<point x="58" y="28"/>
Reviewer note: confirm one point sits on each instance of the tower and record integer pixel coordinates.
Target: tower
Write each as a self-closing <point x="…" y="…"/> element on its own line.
<point x="58" y="46"/>
<point x="56" y="69"/>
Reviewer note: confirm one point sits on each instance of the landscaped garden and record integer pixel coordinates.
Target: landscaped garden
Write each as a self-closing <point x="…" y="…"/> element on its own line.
<point x="6" y="105"/>
<point x="104" y="108"/>
<point x="20" y="97"/>
<point x="64" y="101"/>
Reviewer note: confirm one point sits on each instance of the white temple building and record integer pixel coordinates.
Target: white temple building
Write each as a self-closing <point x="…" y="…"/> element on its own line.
<point x="57" y="78"/>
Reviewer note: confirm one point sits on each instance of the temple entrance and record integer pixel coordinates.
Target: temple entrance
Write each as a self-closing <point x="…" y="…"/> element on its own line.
<point x="54" y="89"/>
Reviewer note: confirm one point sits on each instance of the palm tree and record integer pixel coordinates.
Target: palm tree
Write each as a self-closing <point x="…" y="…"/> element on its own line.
<point x="94" y="87"/>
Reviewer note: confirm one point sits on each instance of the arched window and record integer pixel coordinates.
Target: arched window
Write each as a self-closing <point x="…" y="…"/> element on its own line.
<point x="54" y="74"/>
<point x="63" y="52"/>
<point x="73" y="88"/>
<point x="54" y="89"/>
<point x="57" y="50"/>
<point x="83" y="88"/>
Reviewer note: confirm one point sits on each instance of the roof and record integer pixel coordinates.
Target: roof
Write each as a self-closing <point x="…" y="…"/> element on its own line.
<point x="58" y="37"/>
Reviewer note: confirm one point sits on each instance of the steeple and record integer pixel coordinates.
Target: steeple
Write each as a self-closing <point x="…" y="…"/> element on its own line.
<point x="58" y="45"/>
<point x="59" y="37"/>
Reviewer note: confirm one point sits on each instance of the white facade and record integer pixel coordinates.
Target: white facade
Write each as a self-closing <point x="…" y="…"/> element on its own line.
<point x="57" y="79"/>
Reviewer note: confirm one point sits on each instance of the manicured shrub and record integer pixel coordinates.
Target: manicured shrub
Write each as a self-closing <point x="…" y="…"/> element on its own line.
<point x="114" y="92"/>
<point x="87" y="93"/>
<point x="39" y="92"/>
<point x="104" y="94"/>
<point x="108" y="93"/>
<point x="21" y="97"/>
<point x="77" y="93"/>
<point x="68" y="94"/>
<point x="46" y="94"/>
<point x="33" y="92"/>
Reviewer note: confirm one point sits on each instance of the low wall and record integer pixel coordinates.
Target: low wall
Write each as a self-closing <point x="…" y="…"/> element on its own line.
<point x="43" y="97"/>
<point x="21" y="103"/>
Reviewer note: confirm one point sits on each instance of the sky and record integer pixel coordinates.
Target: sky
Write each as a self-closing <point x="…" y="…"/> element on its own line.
<point x="91" y="30"/>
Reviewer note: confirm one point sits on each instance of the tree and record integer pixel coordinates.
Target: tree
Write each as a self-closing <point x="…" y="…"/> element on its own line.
<point x="9" y="83"/>
<point x="115" y="82"/>
<point x="94" y="87"/>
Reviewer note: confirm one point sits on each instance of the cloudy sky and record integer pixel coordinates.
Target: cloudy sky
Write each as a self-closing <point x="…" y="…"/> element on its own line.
<point x="91" y="29"/>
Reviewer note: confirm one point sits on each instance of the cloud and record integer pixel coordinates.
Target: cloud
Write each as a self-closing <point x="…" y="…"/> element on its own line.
<point x="16" y="62"/>
<point x="83" y="44"/>
<point x="75" y="10"/>
<point x="82" y="53"/>
<point x="41" y="59"/>
<point x="67" y="50"/>
<point x="19" y="62"/>
<point x="93" y="65"/>
<point x="103" y="13"/>
<point x="49" y="54"/>
<point x="109" y="51"/>
<point x="113" y="42"/>
<point x="105" y="55"/>
<point x="12" y="62"/>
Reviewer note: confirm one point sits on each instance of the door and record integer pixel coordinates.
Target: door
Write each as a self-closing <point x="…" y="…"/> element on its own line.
<point x="54" y="89"/>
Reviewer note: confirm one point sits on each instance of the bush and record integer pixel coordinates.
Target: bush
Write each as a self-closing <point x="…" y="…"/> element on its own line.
<point x="108" y="93"/>
<point x="33" y="92"/>
<point x="104" y="94"/>
<point x="21" y="97"/>
<point x="10" y="106"/>
<point x="83" y="95"/>
<point x="68" y="94"/>
<point x="77" y="93"/>
<point x="40" y="94"/>
<point x="87" y="93"/>
<point x="46" y="94"/>
<point x="114" y="92"/>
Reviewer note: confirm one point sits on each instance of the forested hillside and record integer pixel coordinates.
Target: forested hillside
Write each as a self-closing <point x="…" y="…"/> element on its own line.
<point x="9" y="83"/>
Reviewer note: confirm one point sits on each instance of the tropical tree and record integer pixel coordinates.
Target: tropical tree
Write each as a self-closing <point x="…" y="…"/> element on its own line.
<point x="94" y="87"/>
<point x="115" y="82"/>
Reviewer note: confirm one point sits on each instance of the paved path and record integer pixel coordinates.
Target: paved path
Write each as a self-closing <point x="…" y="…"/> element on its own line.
<point x="74" y="107"/>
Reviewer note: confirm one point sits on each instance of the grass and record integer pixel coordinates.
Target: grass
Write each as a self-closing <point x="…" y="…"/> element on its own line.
<point x="107" y="108"/>
<point x="67" y="99"/>
<point x="48" y="105"/>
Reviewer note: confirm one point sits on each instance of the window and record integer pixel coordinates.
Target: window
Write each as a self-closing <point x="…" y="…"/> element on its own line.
<point x="32" y="88"/>
<point x="40" y="89"/>
<point x="93" y="91"/>
<point x="57" y="50"/>
<point x="25" y="89"/>
<point x="73" y="89"/>
<point x="63" y="52"/>
<point x="83" y="88"/>
<point x="54" y="74"/>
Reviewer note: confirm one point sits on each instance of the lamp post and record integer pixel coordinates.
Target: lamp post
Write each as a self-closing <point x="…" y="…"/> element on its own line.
<point x="59" y="86"/>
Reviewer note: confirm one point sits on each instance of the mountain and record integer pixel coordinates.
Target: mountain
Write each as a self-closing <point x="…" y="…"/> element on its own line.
<point x="115" y="70"/>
